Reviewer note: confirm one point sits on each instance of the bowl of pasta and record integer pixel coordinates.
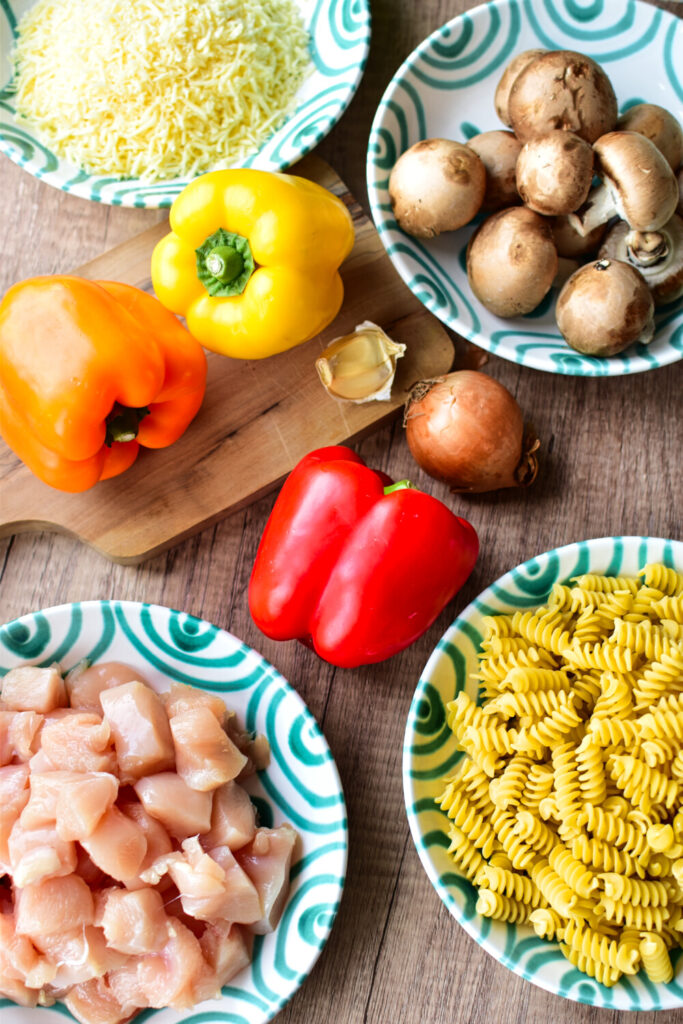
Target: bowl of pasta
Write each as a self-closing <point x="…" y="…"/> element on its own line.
<point x="543" y="771"/>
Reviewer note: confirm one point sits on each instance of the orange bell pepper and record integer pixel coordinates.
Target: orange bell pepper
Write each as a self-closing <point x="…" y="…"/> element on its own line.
<point x="89" y="371"/>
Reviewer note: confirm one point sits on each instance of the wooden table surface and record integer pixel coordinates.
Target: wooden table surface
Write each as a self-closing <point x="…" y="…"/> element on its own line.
<point x="610" y="464"/>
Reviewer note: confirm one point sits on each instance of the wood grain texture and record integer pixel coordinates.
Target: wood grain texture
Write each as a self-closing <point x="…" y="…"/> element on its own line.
<point x="611" y="463"/>
<point x="275" y="406"/>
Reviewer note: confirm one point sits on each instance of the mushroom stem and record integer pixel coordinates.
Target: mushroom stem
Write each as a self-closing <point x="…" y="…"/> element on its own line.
<point x="657" y="255"/>
<point x="647" y="248"/>
<point x="599" y="207"/>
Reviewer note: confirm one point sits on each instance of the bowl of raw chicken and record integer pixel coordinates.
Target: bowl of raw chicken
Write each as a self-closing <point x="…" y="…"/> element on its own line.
<point x="172" y="826"/>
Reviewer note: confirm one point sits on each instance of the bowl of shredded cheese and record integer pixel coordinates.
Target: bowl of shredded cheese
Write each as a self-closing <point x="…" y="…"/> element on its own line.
<point x="543" y="771"/>
<point x="125" y="101"/>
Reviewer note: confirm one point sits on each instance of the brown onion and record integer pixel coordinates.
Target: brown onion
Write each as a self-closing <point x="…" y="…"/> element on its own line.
<point x="467" y="430"/>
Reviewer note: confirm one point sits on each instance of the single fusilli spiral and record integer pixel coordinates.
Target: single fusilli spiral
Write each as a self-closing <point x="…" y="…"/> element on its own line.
<point x="637" y="891"/>
<point x="667" y="580"/>
<point x="535" y="832"/>
<point x="547" y="632"/>
<point x="510" y="883"/>
<point x="611" y="829"/>
<point x="599" y="947"/>
<point x="641" y="783"/>
<point x="601" y="856"/>
<point x="656" y="959"/>
<point x="502" y="908"/>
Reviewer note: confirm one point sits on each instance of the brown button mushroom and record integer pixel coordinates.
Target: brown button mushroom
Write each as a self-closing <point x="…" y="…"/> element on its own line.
<point x="502" y="94"/>
<point x="637" y="185"/>
<point x="554" y="172"/>
<point x="562" y="89"/>
<point x="573" y="245"/>
<point x="679" y="208"/>
<point x="512" y="261"/>
<point x="658" y="255"/>
<point x="605" y="307"/>
<point x="659" y="126"/>
<point x="436" y="185"/>
<point x="498" y="151"/>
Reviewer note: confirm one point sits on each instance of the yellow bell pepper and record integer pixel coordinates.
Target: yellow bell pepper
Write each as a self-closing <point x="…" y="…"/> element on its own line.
<point x="252" y="260"/>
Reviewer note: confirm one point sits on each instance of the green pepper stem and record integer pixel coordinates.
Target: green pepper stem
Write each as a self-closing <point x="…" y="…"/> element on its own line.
<point x="224" y="263"/>
<point x="123" y="423"/>
<point x="401" y="485"/>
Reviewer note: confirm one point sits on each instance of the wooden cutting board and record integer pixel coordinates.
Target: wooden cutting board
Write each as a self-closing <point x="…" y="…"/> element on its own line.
<point x="258" y="419"/>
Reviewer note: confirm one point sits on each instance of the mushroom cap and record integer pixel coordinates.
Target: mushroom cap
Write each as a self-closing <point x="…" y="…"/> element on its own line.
<point x="665" y="277"/>
<point x="498" y="151"/>
<point x="659" y="126"/>
<point x="502" y="94"/>
<point x="604" y="307"/>
<point x="512" y="261"/>
<point x="571" y="244"/>
<point x="679" y="208"/>
<point x="554" y="172"/>
<point x="436" y="185"/>
<point x="643" y="185"/>
<point x="562" y="89"/>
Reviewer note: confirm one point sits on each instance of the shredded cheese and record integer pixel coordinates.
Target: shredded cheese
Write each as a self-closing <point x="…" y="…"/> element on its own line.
<point x="158" y="89"/>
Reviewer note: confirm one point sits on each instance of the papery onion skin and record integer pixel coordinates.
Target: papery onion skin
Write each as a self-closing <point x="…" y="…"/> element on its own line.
<point x="467" y="430"/>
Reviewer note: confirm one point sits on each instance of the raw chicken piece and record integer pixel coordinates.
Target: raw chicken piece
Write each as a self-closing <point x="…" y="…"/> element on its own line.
<point x="117" y="846"/>
<point x="38" y="853"/>
<point x="33" y="689"/>
<point x="18" y="731"/>
<point x="135" y="922"/>
<point x="17" y="992"/>
<point x="41" y="809"/>
<point x="139" y="725"/>
<point x="14" y="794"/>
<point x="182" y="810"/>
<point x="79" y="742"/>
<point x="242" y="901"/>
<point x="233" y="819"/>
<point x="158" y="839"/>
<point x="19" y="959"/>
<point x="94" y="1003"/>
<point x="167" y="977"/>
<point x="226" y="953"/>
<point x="82" y="803"/>
<point x="205" y="756"/>
<point x="86" y="682"/>
<point x="267" y="860"/>
<point x="125" y="986"/>
<point x="254" y="747"/>
<point x="53" y="905"/>
<point x="209" y="887"/>
<point x="77" y="956"/>
<point x="182" y="698"/>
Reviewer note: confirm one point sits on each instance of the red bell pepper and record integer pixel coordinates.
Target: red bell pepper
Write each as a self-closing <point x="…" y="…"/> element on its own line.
<point x="355" y="568"/>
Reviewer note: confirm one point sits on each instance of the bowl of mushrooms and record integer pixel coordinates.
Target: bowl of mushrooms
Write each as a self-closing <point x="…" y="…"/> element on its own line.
<point x="525" y="173"/>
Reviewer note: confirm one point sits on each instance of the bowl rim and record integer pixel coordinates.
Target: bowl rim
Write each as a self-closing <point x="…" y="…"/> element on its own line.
<point x="580" y="365"/>
<point x="477" y="606"/>
<point x="90" y="606"/>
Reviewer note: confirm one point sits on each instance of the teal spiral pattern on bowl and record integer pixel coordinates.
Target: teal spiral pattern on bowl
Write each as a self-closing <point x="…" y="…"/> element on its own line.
<point x="301" y="784"/>
<point x="430" y="752"/>
<point x="445" y="89"/>
<point x="340" y="39"/>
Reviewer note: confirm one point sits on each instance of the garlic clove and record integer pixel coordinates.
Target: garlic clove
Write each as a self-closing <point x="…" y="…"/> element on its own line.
<point x="361" y="366"/>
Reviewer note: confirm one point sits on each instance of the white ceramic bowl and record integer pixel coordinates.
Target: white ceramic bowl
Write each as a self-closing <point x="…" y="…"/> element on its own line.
<point x="430" y="752"/>
<point x="340" y="38"/>
<point x="445" y="89"/>
<point x="301" y="784"/>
